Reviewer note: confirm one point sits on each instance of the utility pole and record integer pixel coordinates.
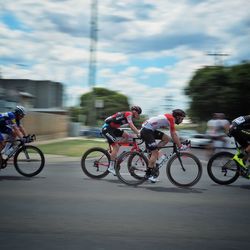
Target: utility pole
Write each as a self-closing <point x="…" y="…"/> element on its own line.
<point x="218" y="57"/>
<point x="92" y="60"/>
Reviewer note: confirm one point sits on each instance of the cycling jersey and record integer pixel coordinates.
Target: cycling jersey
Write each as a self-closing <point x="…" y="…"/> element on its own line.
<point x="240" y="130"/>
<point x="242" y="122"/>
<point x="160" y="121"/>
<point x="7" y="121"/>
<point x="118" y="119"/>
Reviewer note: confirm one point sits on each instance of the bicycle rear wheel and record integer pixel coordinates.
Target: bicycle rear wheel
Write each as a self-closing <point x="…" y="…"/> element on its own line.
<point x="184" y="169"/>
<point x="29" y="160"/>
<point x="222" y="169"/>
<point x="131" y="168"/>
<point x="95" y="162"/>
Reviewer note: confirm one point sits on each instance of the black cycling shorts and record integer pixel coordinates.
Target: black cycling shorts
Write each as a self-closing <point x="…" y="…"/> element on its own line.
<point x="149" y="136"/>
<point x="111" y="134"/>
<point x="242" y="137"/>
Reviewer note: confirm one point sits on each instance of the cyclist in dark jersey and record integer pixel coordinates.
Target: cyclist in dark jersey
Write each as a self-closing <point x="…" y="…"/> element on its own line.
<point x="10" y="124"/>
<point x="240" y="130"/>
<point x="111" y="130"/>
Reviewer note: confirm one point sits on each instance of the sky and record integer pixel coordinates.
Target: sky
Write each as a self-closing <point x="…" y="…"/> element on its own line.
<point x="147" y="50"/>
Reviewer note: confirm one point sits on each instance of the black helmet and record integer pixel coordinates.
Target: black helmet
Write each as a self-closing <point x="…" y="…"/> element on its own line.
<point x="137" y="109"/>
<point x="20" y="110"/>
<point x="178" y="112"/>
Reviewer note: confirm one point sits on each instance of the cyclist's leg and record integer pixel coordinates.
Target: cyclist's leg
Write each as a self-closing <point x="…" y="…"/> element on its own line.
<point x="164" y="139"/>
<point x="4" y="146"/>
<point x="1" y="142"/>
<point x="148" y="136"/>
<point x="111" y="135"/>
<point x="243" y="138"/>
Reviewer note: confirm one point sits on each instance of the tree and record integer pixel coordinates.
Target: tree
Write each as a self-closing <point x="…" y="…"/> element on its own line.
<point x="112" y="103"/>
<point x="219" y="89"/>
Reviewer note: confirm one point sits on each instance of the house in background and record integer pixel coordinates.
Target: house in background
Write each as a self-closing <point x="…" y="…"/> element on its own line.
<point x="44" y="102"/>
<point x="30" y="93"/>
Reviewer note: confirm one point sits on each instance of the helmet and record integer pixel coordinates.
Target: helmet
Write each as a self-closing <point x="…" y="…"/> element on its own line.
<point x="178" y="112"/>
<point x="137" y="109"/>
<point x="20" y="110"/>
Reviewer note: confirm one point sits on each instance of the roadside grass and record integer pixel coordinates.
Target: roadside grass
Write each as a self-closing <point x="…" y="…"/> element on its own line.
<point x="74" y="147"/>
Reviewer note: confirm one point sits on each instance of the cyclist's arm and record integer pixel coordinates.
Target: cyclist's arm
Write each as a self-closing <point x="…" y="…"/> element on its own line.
<point x="173" y="133"/>
<point x="175" y="138"/>
<point x="131" y="124"/>
<point x="17" y="132"/>
<point x="134" y="129"/>
<point x="22" y="130"/>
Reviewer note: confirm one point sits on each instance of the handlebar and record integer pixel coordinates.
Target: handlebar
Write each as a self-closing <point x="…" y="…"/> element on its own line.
<point x="29" y="138"/>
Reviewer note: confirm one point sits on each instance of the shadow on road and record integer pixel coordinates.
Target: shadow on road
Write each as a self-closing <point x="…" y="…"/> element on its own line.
<point x="176" y="190"/>
<point x="17" y="178"/>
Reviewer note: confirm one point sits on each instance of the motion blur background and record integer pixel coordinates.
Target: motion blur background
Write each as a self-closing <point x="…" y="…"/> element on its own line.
<point x="71" y="63"/>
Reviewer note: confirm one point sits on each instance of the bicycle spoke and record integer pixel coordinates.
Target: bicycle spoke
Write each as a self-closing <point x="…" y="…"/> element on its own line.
<point x="184" y="170"/>
<point x="29" y="161"/>
<point x="222" y="169"/>
<point x="131" y="168"/>
<point x="95" y="162"/>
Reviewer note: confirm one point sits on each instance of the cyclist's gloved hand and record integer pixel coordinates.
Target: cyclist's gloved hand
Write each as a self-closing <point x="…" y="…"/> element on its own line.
<point x="23" y="140"/>
<point x="183" y="147"/>
<point x="26" y="139"/>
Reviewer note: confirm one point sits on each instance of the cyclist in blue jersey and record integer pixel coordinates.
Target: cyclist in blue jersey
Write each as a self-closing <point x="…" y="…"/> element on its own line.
<point x="10" y="124"/>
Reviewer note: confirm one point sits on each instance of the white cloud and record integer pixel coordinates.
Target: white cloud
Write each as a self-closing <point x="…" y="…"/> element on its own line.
<point x="136" y="40"/>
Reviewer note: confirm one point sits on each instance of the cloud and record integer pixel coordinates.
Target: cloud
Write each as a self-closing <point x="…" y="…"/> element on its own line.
<point x="146" y="49"/>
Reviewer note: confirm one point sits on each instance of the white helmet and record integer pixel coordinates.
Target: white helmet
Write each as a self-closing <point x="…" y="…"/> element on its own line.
<point x="20" y="110"/>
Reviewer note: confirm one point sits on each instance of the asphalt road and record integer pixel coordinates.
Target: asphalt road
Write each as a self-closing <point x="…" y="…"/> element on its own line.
<point x="63" y="209"/>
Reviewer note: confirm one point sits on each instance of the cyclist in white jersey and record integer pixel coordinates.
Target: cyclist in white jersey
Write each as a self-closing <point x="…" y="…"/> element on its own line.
<point x="150" y="133"/>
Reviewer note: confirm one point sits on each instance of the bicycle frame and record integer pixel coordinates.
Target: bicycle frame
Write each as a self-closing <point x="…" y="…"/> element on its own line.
<point x="133" y="144"/>
<point x="19" y="145"/>
<point x="175" y="151"/>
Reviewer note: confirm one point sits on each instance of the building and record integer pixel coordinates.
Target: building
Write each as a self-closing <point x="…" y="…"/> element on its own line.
<point x="30" y="93"/>
<point x="44" y="102"/>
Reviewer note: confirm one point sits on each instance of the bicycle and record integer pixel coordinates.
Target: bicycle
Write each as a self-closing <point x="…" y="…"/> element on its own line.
<point x="183" y="169"/>
<point x="223" y="170"/>
<point x="28" y="160"/>
<point x="95" y="161"/>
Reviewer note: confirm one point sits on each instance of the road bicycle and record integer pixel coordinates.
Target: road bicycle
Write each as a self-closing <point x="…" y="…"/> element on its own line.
<point x="222" y="169"/>
<point x="183" y="169"/>
<point x="95" y="161"/>
<point x="28" y="160"/>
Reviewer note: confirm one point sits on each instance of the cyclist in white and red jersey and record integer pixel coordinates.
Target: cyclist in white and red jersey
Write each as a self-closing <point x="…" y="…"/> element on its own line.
<point x="111" y="130"/>
<point x="150" y="133"/>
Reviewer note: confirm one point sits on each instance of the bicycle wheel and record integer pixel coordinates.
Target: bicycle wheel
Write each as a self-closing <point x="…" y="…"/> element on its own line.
<point x="95" y="162"/>
<point x="29" y="160"/>
<point x="131" y="168"/>
<point x="184" y="169"/>
<point x="222" y="169"/>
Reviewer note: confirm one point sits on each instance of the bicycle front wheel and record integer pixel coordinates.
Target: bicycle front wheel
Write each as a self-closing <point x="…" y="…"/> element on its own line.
<point x="222" y="169"/>
<point x="184" y="169"/>
<point x="95" y="162"/>
<point x="29" y="160"/>
<point x="131" y="168"/>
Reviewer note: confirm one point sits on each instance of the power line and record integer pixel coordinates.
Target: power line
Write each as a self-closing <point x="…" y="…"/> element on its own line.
<point x="218" y="57"/>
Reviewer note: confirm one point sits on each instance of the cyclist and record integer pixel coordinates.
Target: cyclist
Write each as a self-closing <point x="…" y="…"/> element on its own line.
<point x="10" y="124"/>
<point x="240" y="130"/>
<point x="111" y="131"/>
<point x="217" y="128"/>
<point x="150" y="133"/>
